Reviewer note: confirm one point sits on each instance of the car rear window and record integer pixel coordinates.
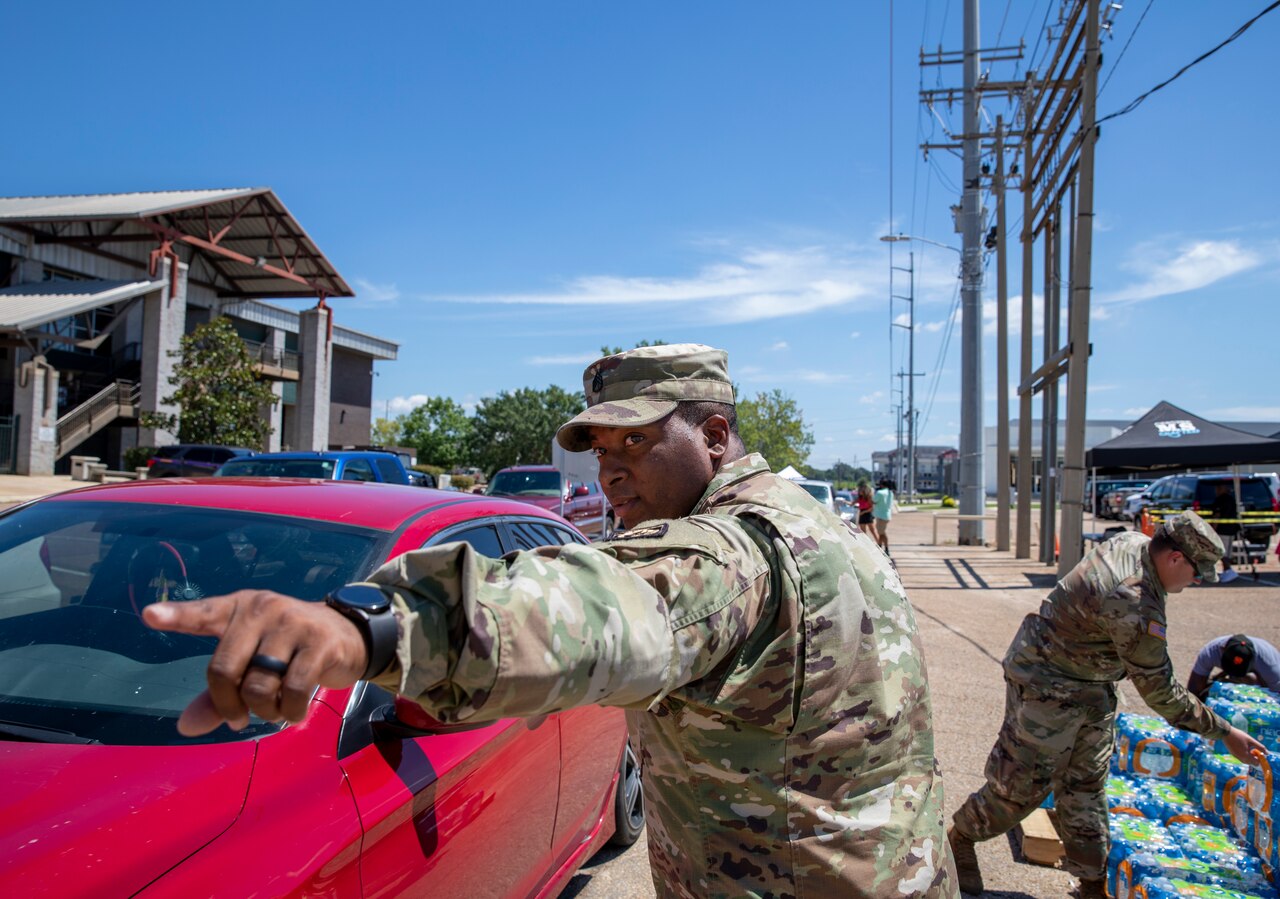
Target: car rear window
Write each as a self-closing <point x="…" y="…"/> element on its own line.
<point x="278" y="468"/>
<point x="525" y="483"/>
<point x="390" y="470"/>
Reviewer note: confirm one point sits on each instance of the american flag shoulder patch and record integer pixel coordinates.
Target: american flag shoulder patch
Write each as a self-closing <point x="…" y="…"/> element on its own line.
<point x="1156" y="629"/>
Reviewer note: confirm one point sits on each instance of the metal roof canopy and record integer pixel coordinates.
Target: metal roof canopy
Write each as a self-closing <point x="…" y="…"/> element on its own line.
<point x="241" y="242"/>
<point x="28" y="305"/>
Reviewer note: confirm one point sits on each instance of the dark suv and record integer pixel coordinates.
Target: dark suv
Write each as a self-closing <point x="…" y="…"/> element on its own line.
<point x="191" y="460"/>
<point x="1198" y="491"/>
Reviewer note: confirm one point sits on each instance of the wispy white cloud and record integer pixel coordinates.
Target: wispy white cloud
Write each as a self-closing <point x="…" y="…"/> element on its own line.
<point x="871" y="399"/>
<point x="754" y="374"/>
<point x="1163" y="272"/>
<point x="780" y="345"/>
<point x="855" y="334"/>
<point x="375" y="293"/>
<point x="752" y="284"/>
<point x="565" y="359"/>
<point x="402" y="405"/>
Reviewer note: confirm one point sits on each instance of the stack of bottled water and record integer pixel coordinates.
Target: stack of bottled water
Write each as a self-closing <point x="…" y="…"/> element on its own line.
<point x="1188" y="818"/>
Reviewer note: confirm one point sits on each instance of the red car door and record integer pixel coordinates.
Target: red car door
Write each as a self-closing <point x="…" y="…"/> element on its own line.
<point x="466" y="814"/>
<point x="461" y="814"/>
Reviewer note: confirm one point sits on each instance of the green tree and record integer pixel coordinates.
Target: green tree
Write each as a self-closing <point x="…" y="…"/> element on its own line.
<point x="386" y="431"/>
<point x="517" y="428"/>
<point x="773" y="425"/>
<point x="440" y="430"/>
<point x="216" y="389"/>
<point x="611" y="351"/>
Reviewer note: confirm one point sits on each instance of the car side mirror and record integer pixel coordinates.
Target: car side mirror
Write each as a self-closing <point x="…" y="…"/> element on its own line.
<point x="581" y="490"/>
<point x="404" y="719"/>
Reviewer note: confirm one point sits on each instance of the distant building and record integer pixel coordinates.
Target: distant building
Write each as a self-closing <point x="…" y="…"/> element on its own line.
<point x="96" y="291"/>
<point x="935" y="469"/>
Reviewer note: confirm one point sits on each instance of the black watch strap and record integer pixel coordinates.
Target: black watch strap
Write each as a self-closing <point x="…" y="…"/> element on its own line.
<point x="369" y="610"/>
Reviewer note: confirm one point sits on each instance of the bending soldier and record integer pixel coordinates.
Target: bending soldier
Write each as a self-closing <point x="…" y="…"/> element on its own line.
<point x="764" y="649"/>
<point x="1104" y="621"/>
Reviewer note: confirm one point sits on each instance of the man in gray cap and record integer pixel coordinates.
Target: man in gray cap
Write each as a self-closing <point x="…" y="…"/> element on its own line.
<point x="764" y="649"/>
<point x="1104" y="621"/>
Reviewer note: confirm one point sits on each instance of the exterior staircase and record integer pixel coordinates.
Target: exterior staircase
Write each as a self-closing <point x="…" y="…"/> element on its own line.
<point x="117" y="400"/>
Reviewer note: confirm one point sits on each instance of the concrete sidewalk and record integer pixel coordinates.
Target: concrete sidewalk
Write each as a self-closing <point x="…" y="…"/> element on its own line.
<point x="16" y="488"/>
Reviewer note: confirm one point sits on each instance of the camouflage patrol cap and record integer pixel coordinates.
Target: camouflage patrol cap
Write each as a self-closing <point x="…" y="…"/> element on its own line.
<point x="643" y="385"/>
<point x="1197" y="541"/>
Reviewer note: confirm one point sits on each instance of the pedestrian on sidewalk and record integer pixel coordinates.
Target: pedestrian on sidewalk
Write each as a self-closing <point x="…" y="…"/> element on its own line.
<point x="1104" y="621"/>
<point x="767" y="656"/>
<point x="882" y="511"/>
<point x="866" y="521"/>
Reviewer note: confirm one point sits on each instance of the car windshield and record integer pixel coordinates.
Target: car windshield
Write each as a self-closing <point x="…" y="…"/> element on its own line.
<point x="525" y="483"/>
<point x="278" y="468"/>
<point x="820" y="492"/>
<point x="76" y="662"/>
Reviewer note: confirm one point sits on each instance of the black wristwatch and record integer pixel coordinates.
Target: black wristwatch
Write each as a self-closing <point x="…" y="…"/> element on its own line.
<point x="369" y="609"/>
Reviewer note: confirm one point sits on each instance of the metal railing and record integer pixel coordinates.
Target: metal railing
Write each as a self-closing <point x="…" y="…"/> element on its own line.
<point x="272" y="357"/>
<point x="111" y="402"/>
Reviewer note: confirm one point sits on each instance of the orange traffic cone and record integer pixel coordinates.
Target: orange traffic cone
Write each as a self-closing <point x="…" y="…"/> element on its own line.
<point x="1057" y="547"/>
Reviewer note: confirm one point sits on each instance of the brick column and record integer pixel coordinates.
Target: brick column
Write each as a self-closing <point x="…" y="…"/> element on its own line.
<point x="35" y="401"/>
<point x="164" y="321"/>
<point x="274" y="412"/>
<point x="313" y="388"/>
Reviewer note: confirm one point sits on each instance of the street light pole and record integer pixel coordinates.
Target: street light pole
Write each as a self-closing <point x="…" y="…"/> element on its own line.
<point x="912" y="374"/>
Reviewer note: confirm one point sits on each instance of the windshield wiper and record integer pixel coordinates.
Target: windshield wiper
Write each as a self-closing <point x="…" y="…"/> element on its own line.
<point x="35" y="734"/>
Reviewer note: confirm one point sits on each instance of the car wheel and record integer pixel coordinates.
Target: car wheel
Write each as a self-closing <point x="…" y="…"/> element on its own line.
<point x="628" y="803"/>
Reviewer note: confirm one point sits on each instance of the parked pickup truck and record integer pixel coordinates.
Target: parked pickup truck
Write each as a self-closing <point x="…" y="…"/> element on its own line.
<point x="583" y="505"/>
<point x="333" y="465"/>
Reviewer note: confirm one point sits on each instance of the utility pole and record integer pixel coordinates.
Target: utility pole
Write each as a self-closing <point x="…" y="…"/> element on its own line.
<point x="1002" y="351"/>
<point x="1049" y="396"/>
<point x="1078" y="321"/>
<point x="972" y="492"/>
<point x="1022" y="548"/>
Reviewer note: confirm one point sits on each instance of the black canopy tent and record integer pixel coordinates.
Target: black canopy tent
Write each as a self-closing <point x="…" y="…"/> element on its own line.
<point x="1168" y="437"/>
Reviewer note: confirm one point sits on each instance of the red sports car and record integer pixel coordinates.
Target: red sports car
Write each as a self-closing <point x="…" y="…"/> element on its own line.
<point x="101" y="796"/>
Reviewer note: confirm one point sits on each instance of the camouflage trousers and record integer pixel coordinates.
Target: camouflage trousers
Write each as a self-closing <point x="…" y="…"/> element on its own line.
<point x="1054" y="738"/>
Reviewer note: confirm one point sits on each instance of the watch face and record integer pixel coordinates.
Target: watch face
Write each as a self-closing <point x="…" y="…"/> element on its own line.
<point x="361" y="596"/>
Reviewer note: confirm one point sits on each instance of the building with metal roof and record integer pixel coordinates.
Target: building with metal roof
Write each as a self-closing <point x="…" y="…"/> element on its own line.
<point x="96" y="291"/>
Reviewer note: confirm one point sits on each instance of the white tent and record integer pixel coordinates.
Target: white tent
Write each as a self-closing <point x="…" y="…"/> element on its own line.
<point x="791" y="474"/>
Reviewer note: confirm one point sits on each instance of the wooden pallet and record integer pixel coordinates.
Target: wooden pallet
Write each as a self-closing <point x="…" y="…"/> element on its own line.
<point x="1040" y="842"/>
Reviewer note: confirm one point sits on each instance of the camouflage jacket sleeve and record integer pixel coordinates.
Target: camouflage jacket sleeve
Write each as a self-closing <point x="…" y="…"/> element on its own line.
<point x="1138" y="632"/>
<point x="544" y="630"/>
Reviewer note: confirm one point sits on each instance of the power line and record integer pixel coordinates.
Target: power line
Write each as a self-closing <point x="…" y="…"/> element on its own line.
<point x="1125" y="50"/>
<point x="1137" y="101"/>
<point x="1005" y="18"/>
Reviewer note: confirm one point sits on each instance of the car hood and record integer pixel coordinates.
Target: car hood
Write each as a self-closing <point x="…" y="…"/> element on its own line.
<point x="108" y="820"/>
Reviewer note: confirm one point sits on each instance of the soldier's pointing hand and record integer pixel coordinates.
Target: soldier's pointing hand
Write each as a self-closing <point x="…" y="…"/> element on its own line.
<point x="273" y="651"/>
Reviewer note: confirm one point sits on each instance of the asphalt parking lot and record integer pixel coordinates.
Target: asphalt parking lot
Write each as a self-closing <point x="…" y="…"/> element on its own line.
<point x="969" y="601"/>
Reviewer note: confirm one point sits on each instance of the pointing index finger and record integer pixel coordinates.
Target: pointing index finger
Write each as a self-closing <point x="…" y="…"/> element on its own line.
<point x="202" y="617"/>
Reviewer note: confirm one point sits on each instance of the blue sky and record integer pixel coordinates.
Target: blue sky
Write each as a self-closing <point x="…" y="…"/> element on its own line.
<point x="510" y="185"/>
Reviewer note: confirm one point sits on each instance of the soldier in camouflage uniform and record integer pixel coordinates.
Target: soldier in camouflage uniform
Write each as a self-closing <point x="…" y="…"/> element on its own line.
<point x="1104" y="621"/>
<point x="764" y="649"/>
